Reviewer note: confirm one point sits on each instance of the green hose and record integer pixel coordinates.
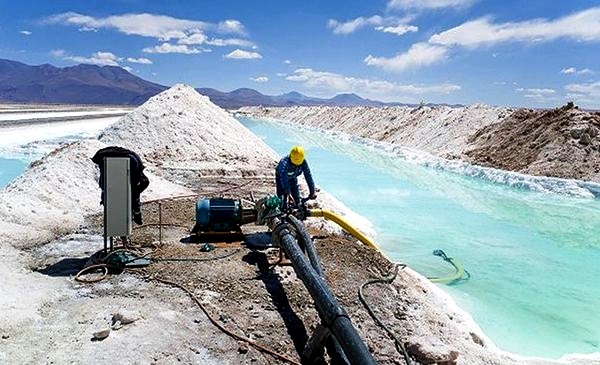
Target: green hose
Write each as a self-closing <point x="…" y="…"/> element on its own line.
<point x="459" y="271"/>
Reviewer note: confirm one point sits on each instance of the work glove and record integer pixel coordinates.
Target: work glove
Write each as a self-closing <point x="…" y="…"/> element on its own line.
<point x="285" y="202"/>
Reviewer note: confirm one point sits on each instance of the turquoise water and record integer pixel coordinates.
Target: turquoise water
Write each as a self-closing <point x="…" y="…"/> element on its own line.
<point x="534" y="257"/>
<point x="9" y="169"/>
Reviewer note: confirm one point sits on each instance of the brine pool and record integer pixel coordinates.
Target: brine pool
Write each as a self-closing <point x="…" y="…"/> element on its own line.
<point x="534" y="257"/>
<point x="533" y="254"/>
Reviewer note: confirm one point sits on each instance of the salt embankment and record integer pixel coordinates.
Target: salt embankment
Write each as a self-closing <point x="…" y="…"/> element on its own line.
<point x="561" y="143"/>
<point x="440" y="130"/>
<point x="48" y="318"/>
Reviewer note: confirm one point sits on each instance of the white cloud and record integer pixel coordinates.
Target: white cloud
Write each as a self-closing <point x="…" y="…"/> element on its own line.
<point x="231" y="26"/>
<point x="58" y="53"/>
<point x="583" y="26"/>
<point x="350" y="26"/>
<point x="573" y="70"/>
<point x="587" y="94"/>
<point x="239" y="54"/>
<point x="231" y="42"/>
<point x="161" y="27"/>
<point x="127" y="68"/>
<point x="172" y="48"/>
<point x="259" y="79"/>
<point x="193" y="39"/>
<point x="25" y="32"/>
<point x="185" y="32"/>
<point x="398" y="30"/>
<point x="387" y="25"/>
<point x="428" y="4"/>
<point x="287" y="62"/>
<point x="281" y="74"/>
<point x="201" y="38"/>
<point x="97" y="58"/>
<point x="419" y="54"/>
<point x="580" y="26"/>
<point x="384" y="90"/>
<point x="537" y="91"/>
<point x="538" y="94"/>
<point x="141" y="60"/>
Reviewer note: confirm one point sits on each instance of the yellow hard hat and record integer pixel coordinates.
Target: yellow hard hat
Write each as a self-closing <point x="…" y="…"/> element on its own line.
<point x="297" y="155"/>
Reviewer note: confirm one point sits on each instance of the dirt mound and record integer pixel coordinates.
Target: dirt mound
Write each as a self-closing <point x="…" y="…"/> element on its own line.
<point x="562" y="142"/>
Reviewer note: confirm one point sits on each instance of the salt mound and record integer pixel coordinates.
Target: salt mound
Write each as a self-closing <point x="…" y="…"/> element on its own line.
<point x="55" y="194"/>
<point x="51" y="195"/>
<point x="178" y="128"/>
<point x="182" y="129"/>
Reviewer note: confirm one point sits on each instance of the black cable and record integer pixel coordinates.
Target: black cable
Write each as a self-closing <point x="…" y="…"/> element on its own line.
<point x="386" y="280"/>
<point x="195" y="259"/>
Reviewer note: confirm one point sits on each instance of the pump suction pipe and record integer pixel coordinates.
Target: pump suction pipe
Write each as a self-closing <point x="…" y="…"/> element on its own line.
<point x="459" y="271"/>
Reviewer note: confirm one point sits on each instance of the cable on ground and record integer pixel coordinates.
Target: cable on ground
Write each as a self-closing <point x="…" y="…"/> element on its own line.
<point x="385" y="280"/>
<point x="225" y="330"/>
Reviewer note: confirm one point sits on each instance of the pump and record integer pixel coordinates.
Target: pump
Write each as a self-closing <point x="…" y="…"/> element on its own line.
<point x="221" y="215"/>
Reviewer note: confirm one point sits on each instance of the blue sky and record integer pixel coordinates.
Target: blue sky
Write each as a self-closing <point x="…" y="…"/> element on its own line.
<point x="536" y="53"/>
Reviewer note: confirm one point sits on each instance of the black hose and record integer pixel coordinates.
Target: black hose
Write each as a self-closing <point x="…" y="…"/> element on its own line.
<point x="308" y="244"/>
<point x="386" y="280"/>
<point x="333" y="346"/>
<point x="333" y="315"/>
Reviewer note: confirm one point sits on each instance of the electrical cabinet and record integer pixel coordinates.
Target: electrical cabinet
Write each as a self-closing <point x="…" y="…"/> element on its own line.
<point x="117" y="197"/>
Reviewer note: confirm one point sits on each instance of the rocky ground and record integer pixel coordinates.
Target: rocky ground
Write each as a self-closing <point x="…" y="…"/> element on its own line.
<point x="562" y="142"/>
<point x="50" y="225"/>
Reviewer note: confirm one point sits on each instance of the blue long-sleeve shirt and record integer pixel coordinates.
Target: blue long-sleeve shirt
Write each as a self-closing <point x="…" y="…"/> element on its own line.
<point x="286" y="170"/>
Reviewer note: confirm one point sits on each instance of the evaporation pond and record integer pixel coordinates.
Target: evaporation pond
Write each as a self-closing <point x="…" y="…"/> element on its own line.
<point x="9" y="169"/>
<point x="534" y="258"/>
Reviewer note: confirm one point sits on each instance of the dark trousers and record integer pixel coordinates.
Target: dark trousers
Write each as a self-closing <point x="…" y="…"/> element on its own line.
<point x="293" y="182"/>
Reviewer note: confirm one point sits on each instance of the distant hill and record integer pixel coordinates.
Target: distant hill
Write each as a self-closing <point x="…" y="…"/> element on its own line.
<point x="91" y="84"/>
<point x="81" y="84"/>
<point x="250" y="97"/>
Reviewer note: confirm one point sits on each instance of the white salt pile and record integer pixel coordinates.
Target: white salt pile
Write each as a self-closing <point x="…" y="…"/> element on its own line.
<point x="178" y="129"/>
<point x="55" y="194"/>
<point x="181" y="129"/>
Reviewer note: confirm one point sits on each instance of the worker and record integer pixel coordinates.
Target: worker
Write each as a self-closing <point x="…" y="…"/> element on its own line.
<point x="139" y="181"/>
<point x="286" y="176"/>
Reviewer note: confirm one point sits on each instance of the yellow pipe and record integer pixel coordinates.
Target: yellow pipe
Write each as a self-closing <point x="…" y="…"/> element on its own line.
<point x="459" y="273"/>
<point x="327" y="214"/>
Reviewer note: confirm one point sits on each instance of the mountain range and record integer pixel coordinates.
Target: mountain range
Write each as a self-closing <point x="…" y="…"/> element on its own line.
<point x="81" y="84"/>
<point x="91" y="84"/>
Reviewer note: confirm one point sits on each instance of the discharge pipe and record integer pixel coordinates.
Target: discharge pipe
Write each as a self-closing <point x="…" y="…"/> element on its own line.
<point x="332" y="314"/>
<point x="327" y="214"/>
<point x="307" y="243"/>
<point x="459" y="271"/>
<point x="335" y="350"/>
